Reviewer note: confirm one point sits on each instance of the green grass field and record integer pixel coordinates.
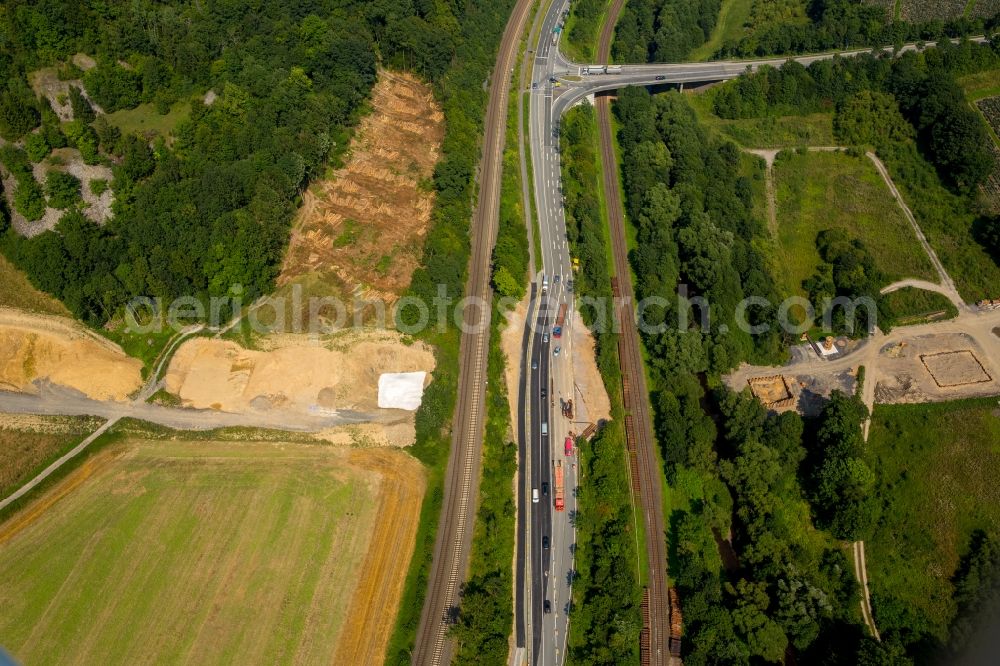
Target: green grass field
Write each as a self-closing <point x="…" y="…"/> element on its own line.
<point x="981" y="84"/>
<point x="772" y="132"/>
<point x="940" y="472"/>
<point x="201" y="552"/>
<point x="821" y="190"/>
<point x="730" y="25"/>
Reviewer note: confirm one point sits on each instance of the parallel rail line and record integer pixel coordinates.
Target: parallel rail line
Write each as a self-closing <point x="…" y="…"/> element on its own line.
<point x="454" y="536"/>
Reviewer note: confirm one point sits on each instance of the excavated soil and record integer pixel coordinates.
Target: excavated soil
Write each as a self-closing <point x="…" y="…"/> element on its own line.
<point x="37" y="348"/>
<point x="363" y="227"/>
<point x="295" y="372"/>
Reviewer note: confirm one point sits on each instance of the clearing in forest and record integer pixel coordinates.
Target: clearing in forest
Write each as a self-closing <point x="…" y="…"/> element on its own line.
<point x="939" y="470"/>
<point x="362" y="228"/>
<point x="204" y="552"/>
<point x="832" y="190"/>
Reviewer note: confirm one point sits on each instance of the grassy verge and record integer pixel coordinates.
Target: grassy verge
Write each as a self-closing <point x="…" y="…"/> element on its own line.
<point x="939" y="467"/>
<point x="606" y="593"/>
<point x="818" y="191"/>
<point x="27" y="450"/>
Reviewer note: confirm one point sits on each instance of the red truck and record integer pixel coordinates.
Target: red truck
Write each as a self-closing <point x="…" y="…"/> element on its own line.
<point x="560" y="321"/>
<point x="569" y="446"/>
<point x="559" y="487"/>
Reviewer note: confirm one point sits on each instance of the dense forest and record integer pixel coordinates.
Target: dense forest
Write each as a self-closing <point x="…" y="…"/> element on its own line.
<point x="669" y="30"/>
<point x="760" y="579"/>
<point x="210" y="208"/>
<point x="663" y="30"/>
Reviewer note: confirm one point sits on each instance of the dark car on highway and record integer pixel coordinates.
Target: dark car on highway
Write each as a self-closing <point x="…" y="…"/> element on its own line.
<point x="545" y="488"/>
<point x="545" y="542"/>
<point x="547" y="606"/>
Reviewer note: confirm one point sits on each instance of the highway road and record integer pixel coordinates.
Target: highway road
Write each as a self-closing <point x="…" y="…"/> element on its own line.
<point x="551" y="382"/>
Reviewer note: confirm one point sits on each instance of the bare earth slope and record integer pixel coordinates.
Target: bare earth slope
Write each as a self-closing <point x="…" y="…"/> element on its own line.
<point x="36" y="347"/>
<point x="364" y="225"/>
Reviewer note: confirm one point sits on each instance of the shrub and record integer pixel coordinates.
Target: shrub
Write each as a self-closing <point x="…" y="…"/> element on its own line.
<point x="63" y="189"/>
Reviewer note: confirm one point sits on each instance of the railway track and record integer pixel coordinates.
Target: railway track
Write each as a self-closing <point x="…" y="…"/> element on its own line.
<point x="643" y="461"/>
<point x="454" y="536"/>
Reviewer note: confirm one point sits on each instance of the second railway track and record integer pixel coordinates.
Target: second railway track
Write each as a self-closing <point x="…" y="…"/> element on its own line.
<point x="644" y="462"/>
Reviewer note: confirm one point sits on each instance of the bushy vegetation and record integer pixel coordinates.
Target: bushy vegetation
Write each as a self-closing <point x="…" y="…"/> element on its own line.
<point x="582" y="28"/>
<point x="604" y="617"/>
<point x="663" y="30"/>
<point x="932" y="562"/>
<point x="212" y="209"/>
<point x="62" y="188"/>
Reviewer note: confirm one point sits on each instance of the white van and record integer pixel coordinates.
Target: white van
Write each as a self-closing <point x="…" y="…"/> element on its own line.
<point x="545" y="283"/>
<point x="545" y="429"/>
<point x="534" y="496"/>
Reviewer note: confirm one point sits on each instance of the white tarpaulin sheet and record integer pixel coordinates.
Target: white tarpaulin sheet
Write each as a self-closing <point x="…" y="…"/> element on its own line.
<point x="401" y="390"/>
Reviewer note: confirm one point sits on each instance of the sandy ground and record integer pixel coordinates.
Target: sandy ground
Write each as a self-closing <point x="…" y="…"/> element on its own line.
<point x="510" y="343"/>
<point x="44" y="348"/>
<point x="300" y="374"/>
<point x="933" y="362"/>
<point x="591" y="400"/>
<point x="364" y="225"/>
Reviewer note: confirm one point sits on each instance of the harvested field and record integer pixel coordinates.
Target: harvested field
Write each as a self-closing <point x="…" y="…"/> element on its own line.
<point x="955" y="368"/>
<point x="363" y="227"/>
<point x="294" y="372"/>
<point x="43" y="348"/>
<point x="209" y="552"/>
<point x="29" y="443"/>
